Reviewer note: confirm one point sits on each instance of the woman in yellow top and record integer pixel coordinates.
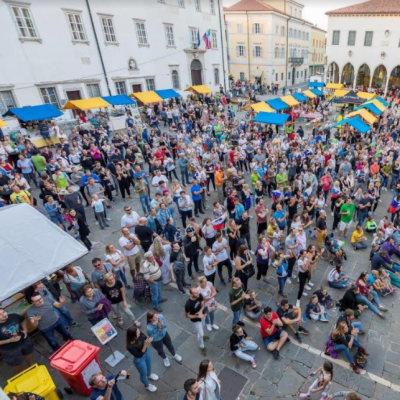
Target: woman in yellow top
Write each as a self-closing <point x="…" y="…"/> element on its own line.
<point x="358" y="240"/>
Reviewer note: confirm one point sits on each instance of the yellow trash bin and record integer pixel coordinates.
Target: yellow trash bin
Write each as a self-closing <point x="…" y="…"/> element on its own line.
<point x="37" y="380"/>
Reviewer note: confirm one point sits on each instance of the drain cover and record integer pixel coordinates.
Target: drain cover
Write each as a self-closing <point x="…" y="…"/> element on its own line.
<point x="232" y="384"/>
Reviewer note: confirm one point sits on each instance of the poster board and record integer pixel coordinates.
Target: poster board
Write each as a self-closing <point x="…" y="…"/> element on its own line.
<point x="104" y="331"/>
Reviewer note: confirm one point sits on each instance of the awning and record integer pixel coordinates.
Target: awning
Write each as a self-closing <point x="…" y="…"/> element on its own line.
<point x="370" y="107"/>
<point x="299" y="97"/>
<point x="168" y="94"/>
<point x="366" y="95"/>
<point x="262" y="106"/>
<point x="356" y="123"/>
<point x="377" y="104"/>
<point x="147" y="97"/>
<point x="34" y="252"/>
<point x="36" y="113"/>
<point x="309" y="94"/>
<point x="385" y="103"/>
<point x="118" y="100"/>
<point x="277" y="104"/>
<point x="364" y="114"/>
<point x="86" y="104"/>
<point x="335" y="85"/>
<point x="2" y="124"/>
<point x="290" y="100"/>
<point x="317" y="92"/>
<point x="350" y="98"/>
<point x="271" y="118"/>
<point x="231" y="76"/>
<point x="340" y="92"/>
<point x="316" y="84"/>
<point x="202" y="89"/>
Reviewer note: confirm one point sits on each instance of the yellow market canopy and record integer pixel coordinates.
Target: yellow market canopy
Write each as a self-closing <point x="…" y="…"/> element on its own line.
<point x="262" y="106"/>
<point x="290" y="100"/>
<point x="86" y="104"/>
<point x="2" y="124"/>
<point x="366" y="95"/>
<point x="147" y="97"/>
<point x="340" y="93"/>
<point x="202" y="89"/>
<point x="309" y="94"/>
<point x="334" y="86"/>
<point x="364" y="114"/>
<point x="377" y="104"/>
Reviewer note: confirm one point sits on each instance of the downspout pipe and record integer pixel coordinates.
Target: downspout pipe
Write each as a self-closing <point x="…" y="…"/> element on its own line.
<point x="222" y="43"/>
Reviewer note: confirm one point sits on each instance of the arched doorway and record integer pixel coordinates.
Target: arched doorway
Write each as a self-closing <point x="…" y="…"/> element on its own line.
<point x="333" y="73"/>
<point x="394" y="79"/>
<point x="348" y="74"/>
<point x="363" y="76"/>
<point x="196" y="69"/>
<point x="379" y="78"/>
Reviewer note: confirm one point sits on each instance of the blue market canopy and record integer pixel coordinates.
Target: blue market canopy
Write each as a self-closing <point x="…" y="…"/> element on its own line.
<point x="371" y="107"/>
<point x="118" y="100"/>
<point x="271" y="118"/>
<point x="316" y="84"/>
<point x="317" y="92"/>
<point x="299" y="97"/>
<point x="277" y="104"/>
<point x="385" y="103"/>
<point x="167" y="94"/>
<point x="357" y="123"/>
<point x="36" y="113"/>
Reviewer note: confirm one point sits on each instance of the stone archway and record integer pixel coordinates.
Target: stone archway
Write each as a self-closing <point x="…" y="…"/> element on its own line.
<point x="379" y="78"/>
<point x="394" y="79"/>
<point x="333" y="73"/>
<point x="196" y="70"/>
<point x="363" y="76"/>
<point x="348" y="74"/>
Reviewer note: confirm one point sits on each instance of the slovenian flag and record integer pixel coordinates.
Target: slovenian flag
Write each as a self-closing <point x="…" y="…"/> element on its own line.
<point x="207" y="41"/>
<point x="219" y="223"/>
<point x="277" y="193"/>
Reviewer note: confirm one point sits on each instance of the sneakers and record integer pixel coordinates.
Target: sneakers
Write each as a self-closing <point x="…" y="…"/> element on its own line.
<point x="323" y="319"/>
<point x="153" y="377"/>
<point x="355" y="368"/>
<point x="297" y="303"/>
<point x="310" y="284"/>
<point x="203" y="351"/>
<point x="294" y="276"/>
<point x="215" y="327"/>
<point x="289" y="281"/>
<point x="306" y="294"/>
<point x="178" y="357"/>
<point x="209" y="328"/>
<point x="303" y="331"/>
<point x="275" y="354"/>
<point x="151" y="388"/>
<point x="158" y="309"/>
<point x="297" y="334"/>
<point x="74" y="324"/>
<point x="253" y="364"/>
<point x="163" y="300"/>
<point x="307" y="287"/>
<point x="304" y="396"/>
<point x="166" y="362"/>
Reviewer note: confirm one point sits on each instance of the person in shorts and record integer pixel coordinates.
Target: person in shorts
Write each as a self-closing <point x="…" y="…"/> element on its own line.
<point x="273" y="336"/>
<point x="15" y="344"/>
<point x="346" y="217"/>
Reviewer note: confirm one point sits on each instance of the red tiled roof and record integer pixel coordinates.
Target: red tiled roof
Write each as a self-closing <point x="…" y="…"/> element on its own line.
<point x="250" y="5"/>
<point x="370" y="7"/>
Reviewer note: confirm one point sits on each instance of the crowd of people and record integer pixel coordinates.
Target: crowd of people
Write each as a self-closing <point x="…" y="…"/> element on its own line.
<point x="203" y="178"/>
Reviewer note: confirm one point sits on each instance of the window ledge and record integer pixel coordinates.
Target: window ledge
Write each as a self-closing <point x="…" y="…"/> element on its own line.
<point x="80" y="42"/>
<point x="111" y="43"/>
<point x="143" y="45"/>
<point x="22" y="40"/>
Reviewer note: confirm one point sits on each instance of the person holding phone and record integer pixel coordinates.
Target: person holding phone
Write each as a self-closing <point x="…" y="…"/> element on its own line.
<point x="105" y="387"/>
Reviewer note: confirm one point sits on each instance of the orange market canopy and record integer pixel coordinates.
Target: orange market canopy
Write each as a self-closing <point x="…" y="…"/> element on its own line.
<point x="201" y="89"/>
<point x="262" y="106"/>
<point x="309" y="94"/>
<point x="334" y="86"/>
<point x="377" y="104"/>
<point x="364" y="114"/>
<point x="366" y="95"/>
<point x="290" y="100"/>
<point x="2" y="124"/>
<point x="147" y="97"/>
<point x="340" y="92"/>
<point x="86" y="104"/>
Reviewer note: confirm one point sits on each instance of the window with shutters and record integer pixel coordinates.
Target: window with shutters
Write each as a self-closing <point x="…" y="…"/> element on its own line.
<point x="290" y="32"/>
<point x="256" y="28"/>
<point x="351" y="40"/>
<point x="120" y="87"/>
<point x="276" y="77"/>
<point x="240" y="51"/>
<point x="277" y="30"/>
<point x="6" y="101"/>
<point x="141" y="33"/>
<point x="239" y="28"/>
<point x="175" y="79"/>
<point x="277" y="52"/>
<point x="241" y="76"/>
<point x="212" y="7"/>
<point x="150" y="84"/>
<point x="282" y="76"/>
<point x="214" y="40"/>
<point x="283" y="33"/>
<point x="77" y="28"/>
<point x="295" y="33"/>
<point x="193" y="37"/>
<point x="108" y="29"/>
<point x="24" y="21"/>
<point x="283" y="53"/>
<point x="181" y="3"/>
<point x="257" y="51"/>
<point x="169" y="35"/>
<point x="368" y="38"/>
<point x="93" y="90"/>
<point x="49" y="96"/>
<point x="216" y="76"/>
<point x="197" y="5"/>
<point x="335" y="38"/>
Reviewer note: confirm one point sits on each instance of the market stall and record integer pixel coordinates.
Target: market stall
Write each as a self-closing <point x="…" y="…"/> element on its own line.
<point x="271" y="118"/>
<point x="261" y="106"/>
<point x="199" y="89"/>
<point x="291" y="101"/>
<point x="309" y="94"/>
<point x="299" y="97"/>
<point x="368" y="117"/>
<point x="317" y="92"/>
<point x="377" y="104"/>
<point x="335" y="86"/>
<point x="385" y="103"/>
<point x="86" y="104"/>
<point x="166" y="94"/>
<point x="118" y="113"/>
<point x="316" y="84"/>
<point x="340" y="93"/>
<point x="277" y="104"/>
<point x="371" y="107"/>
<point x="2" y="124"/>
<point x="356" y="123"/>
<point x="366" y="95"/>
<point x="350" y="99"/>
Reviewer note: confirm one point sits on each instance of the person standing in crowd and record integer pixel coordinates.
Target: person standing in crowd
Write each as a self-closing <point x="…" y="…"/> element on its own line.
<point x="192" y="390"/>
<point x="185" y="204"/>
<point x="157" y="330"/>
<point x="75" y="279"/>
<point x="93" y="304"/>
<point x="237" y="296"/>
<point x="219" y="249"/>
<point x="144" y="234"/>
<point x="210" y="386"/>
<point x="178" y="262"/>
<point x="192" y="249"/>
<point x="208" y="291"/>
<point x="118" y="261"/>
<point x="131" y="247"/>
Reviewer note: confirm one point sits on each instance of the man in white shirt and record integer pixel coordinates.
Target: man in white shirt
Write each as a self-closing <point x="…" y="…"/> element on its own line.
<point x="210" y="263"/>
<point x="130" y="219"/>
<point x="159" y="178"/>
<point x="219" y="249"/>
<point x="130" y="244"/>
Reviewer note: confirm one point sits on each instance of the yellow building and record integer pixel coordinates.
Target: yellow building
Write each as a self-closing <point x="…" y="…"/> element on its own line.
<point x="268" y="40"/>
<point x="317" y="51"/>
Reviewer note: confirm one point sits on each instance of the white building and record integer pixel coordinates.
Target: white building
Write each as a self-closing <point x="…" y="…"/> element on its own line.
<point x="60" y="50"/>
<point x="363" y="45"/>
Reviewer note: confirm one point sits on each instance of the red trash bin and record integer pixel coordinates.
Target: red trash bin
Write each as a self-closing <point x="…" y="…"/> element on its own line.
<point x="77" y="361"/>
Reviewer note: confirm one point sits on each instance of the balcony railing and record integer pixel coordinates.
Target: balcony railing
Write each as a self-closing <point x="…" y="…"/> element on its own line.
<point x="296" y="60"/>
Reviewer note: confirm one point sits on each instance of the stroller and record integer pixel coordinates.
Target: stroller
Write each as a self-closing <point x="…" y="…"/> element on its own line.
<point x="141" y="289"/>
<point x="334" y="250"/>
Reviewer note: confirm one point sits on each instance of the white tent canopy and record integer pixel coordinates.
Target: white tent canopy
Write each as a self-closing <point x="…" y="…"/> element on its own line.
<point x="31" y="247"/>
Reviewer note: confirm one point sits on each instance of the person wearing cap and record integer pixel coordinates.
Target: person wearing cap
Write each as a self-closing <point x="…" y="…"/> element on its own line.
<point x="185" y="207"/>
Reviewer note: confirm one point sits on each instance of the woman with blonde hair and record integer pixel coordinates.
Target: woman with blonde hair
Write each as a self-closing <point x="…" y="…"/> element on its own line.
<point x="118" y="260"/>
<point x="208" y="291"/>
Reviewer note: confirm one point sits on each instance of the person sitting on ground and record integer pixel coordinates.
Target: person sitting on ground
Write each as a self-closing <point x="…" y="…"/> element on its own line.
<point x="346" y="395"/>
<point x="349" y="318"/>
<point x="358" y="240"/>
<point x="316" y="311"/>
<point x="350" y="301"/>
<point x="273" y="336"/>
<point x="378" y="285"/>
<point x="371" y="225"/>
<point x="290" y="315"/>
<point x="324" y="297"/>
<point x="337" y="278"/>
<point x="252" y="307"/>
<point x="241" y="342"/>
<point x="384" y="276"/>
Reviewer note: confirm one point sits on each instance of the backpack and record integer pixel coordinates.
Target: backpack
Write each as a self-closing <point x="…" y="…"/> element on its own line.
<point x="330" y="348"/>
<point x="141" y="289"/>
<point x="360" y="360"/>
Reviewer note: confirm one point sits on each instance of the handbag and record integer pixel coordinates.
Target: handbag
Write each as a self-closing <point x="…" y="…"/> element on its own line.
<point x="249" y="271"/>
